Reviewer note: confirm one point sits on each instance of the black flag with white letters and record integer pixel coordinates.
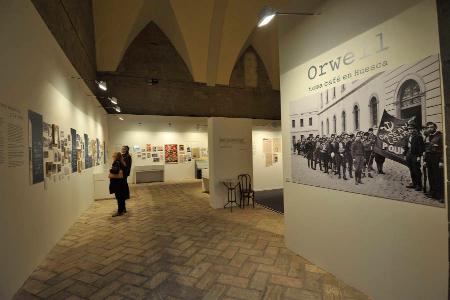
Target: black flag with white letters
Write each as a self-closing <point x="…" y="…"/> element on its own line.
<point x="391" y="137"/>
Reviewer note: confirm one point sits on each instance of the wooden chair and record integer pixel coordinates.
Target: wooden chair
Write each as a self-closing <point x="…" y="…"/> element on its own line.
<point x="245" y="188"/>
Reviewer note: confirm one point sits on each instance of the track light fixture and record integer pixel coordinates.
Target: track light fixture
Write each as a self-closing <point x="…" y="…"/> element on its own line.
<point x="120" y="118"/>
<point x="113" y="100"/>
<point x="101" y="85"/>
<point x="152" y="81"/>
<point x="117" y="109"/>
<point x="268" y="13"/>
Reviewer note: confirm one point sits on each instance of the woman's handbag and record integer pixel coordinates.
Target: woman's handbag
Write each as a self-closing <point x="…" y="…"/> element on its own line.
<point x="116" y="176"/>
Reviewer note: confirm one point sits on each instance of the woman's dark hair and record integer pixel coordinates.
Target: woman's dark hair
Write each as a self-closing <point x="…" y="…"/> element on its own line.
<point x="127" y="148"/>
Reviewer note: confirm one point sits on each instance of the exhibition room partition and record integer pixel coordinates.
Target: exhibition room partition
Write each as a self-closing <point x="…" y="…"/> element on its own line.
<point x="354" y="71"/>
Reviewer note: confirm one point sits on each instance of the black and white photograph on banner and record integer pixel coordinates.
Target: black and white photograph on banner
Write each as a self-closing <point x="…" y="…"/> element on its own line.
<point x="380" y="136"/>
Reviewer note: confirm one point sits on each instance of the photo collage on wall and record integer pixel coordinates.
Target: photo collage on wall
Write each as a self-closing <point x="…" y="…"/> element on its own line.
<point x="149" y="152"/>
<point x="271" y="150"/>
<point x="169" y="153"/>
<point x="379" y="136"/>
<point x="63" y="152"/>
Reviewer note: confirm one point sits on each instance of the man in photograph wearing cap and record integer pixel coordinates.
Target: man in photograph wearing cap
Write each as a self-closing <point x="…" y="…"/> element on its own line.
<point x="333" y="153"/>
<point x="433" y="161"/>
<point x="316" y="153"/>
<point x="414" y="148"/>
<point x="325" y="153"/>
<point x="358" y="157"/>
<point x="348" y="153"/>
<point x="373" y="139"/>
<point x="309" y="149"/>
<point x="368" y="149"/>
<point x="340" y="157"/>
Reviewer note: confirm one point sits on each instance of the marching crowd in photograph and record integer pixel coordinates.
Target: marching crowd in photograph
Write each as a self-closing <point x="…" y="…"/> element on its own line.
<point x="352" y="156"/>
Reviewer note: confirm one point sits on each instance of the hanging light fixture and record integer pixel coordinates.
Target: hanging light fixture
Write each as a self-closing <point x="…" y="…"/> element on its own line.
<point x="268" y="13"/>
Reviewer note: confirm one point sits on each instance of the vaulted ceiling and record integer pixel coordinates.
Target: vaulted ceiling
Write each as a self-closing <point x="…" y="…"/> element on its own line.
<point x="209" y="35"/>
<point x="206" y="57"/>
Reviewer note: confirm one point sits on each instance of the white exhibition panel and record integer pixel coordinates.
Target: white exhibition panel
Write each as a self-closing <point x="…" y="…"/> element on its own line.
<point x="230" y="154"/>
<point x="266" y="177"/>
<point x="36" y="75"/>
<point x="386" y="248"/>
<point x="141" y="130"/>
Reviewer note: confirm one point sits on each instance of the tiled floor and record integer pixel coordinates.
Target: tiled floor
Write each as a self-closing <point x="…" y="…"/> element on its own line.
<point x="172" y="245"/>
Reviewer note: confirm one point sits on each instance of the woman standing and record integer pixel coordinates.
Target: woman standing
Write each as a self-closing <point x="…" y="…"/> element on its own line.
<point x="117" y="184"/>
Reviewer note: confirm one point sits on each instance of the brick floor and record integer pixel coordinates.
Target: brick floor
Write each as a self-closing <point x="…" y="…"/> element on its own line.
<point x="172" y="245"/>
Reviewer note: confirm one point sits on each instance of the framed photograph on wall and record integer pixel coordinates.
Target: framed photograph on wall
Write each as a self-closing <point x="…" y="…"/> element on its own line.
<point x="171" y="153"/>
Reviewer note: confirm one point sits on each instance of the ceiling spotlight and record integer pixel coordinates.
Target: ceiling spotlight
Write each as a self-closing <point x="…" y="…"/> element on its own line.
<point x="120" y="118"/>
<point x="267" y="14"/>
<point x="116" y="108"/>
<point x="102" y="85"/>
<point x="113" y="100"/>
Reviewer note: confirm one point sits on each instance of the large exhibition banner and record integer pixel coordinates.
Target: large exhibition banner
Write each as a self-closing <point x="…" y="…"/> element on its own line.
<point x="352" y="147"/>
<point x="35" y="147"/>
<point x="392" y="136"/>
<point x="348" y="109"/>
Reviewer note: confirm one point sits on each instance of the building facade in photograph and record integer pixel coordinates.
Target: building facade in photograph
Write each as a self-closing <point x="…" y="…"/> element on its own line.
<point x="407" y="91"/>
<point x="304" y="119"/>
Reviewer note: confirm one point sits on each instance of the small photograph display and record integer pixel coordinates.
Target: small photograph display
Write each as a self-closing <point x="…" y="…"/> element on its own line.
<point x="149" y="148"/>
<point x="379" y="136"/>
<point x="171" y="153"/>
<point x="196" y="152"/>
<point x="275" y="158"/>
<point x="203" y="153"/>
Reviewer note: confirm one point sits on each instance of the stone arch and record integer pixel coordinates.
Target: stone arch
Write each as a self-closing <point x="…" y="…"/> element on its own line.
<point x="240" y="75"/>
<point x="152" y="55"/>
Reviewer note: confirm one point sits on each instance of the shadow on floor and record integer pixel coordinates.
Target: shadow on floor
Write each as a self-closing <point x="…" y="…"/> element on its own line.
<point x="271" y="199"/>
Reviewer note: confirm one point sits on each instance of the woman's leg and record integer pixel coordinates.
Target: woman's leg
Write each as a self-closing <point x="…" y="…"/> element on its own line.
<point x="121" y="205"/>
<point x="119" y="199"/>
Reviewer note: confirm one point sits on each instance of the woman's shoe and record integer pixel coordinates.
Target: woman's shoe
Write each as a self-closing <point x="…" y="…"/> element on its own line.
<point x="117" y="214"/>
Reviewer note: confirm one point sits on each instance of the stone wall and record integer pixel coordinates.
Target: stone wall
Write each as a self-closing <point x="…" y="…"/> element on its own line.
<point x="71" y="23"/>
<point x="151" y="55"/>
<point x="189" y="99"/>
